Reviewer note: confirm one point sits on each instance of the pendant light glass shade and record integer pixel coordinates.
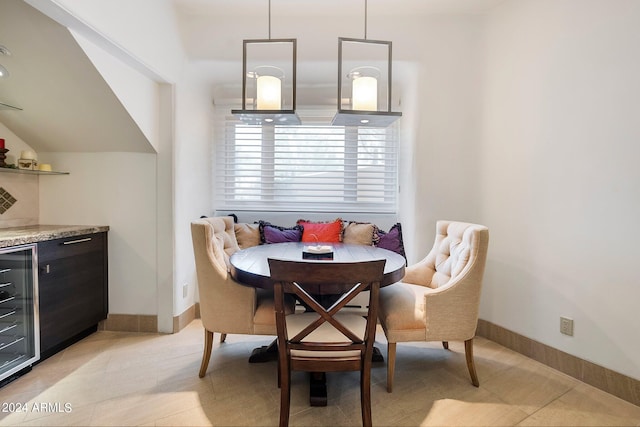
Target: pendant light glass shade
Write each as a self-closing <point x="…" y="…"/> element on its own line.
<point x="268" y="82"/>
<point x="364" y="83"/>
<point x="268" y="93"/>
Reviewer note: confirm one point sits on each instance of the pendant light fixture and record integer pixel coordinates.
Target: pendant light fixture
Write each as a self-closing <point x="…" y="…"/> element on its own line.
<point x="268" y="81"/>
<point x="364" y="82"/>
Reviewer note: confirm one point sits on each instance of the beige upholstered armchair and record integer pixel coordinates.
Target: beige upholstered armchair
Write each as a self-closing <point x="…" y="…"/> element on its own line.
<point x="439" y="297"/>
<point x="226" y="306"/>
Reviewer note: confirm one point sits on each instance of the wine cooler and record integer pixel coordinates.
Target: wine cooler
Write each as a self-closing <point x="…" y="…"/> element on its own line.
<point x="19" y="329"/>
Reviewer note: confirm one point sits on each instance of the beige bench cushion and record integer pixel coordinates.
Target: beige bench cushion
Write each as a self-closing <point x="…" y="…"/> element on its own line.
<point x="325" y="333"/>
<point x="402" y="307"/>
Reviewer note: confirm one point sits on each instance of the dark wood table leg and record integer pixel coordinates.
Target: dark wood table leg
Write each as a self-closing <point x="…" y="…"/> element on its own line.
<point x="377" y="355"/>
<point x="266" y="353"/>
<point x="317" y="389"/>
<point x="317" y="380"/>
<point x="318" y="383"/>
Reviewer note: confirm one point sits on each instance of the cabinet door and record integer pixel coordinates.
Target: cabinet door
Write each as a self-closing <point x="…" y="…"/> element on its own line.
<point x="72" y="287"/>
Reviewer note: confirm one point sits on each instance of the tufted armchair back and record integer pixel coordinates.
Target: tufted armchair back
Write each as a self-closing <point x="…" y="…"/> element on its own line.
<point x="225" y="305"/>
<point x="222" y="238"/>
<point x="456" y="247"/>
<point x="445" y="287"/>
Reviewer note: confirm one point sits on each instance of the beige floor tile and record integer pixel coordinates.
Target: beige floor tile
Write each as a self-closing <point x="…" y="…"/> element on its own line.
<point x="490" y="358"/>
<point x="31" y="384"/>
<point x="586" y="406"/>
<point x="529" y="385"/>
<point x="479" y="408"/>
<point x="254" y="407"/>
<point x="196" y="417"/>
<point x="323" y="416"/>
<point x="135" y="409"/>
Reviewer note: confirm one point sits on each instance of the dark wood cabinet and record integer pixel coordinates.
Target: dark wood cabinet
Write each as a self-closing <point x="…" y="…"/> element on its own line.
<point x="73" y="292"/>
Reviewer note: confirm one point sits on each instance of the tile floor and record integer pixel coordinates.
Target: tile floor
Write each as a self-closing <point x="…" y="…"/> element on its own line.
<point x="129" y="379"/>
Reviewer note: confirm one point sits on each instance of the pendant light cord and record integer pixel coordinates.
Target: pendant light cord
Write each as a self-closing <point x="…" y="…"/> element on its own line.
<point x="365" y="19"/>
<point x="269" y="19"/>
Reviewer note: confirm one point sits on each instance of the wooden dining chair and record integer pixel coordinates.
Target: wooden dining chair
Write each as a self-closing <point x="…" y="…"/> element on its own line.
<point x="325" y="339"/>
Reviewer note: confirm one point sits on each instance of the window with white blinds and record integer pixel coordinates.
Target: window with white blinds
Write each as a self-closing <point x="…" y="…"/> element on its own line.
<point x="320" y="168"/>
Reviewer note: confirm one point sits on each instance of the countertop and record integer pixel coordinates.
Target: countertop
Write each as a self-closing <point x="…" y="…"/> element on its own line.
<point x="14" y="236"/>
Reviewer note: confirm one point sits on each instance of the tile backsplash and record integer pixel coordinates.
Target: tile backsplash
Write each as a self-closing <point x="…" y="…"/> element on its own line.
<point x="6" y="200"/>
<point x="18" y="199"/>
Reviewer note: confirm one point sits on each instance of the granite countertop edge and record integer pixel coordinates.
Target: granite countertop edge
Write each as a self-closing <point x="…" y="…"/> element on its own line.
<point x="15" y="236"/>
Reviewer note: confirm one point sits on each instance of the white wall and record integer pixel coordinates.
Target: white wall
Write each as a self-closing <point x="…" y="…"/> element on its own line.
<point x="192" y="163"/>
<point x="441" y="102"/>
<point x="137" y="92"/>
<point x="165" y="208"/>
<point x="560" y="175"/>
<point x="118" y="190"/>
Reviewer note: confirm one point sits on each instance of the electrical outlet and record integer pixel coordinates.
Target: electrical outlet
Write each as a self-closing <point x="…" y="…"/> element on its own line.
<point x="185" y="290"/>
<point x="566" y="326"/>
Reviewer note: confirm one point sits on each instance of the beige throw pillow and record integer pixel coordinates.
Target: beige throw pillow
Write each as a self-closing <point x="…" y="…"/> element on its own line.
<point x="359" y="233"/>
<point x="247" y="235"/>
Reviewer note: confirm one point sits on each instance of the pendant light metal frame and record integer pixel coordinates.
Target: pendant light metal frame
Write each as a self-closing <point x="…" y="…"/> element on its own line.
<point x="377" y="118"/>
<point x="350" y="117"/>
<point x="255" y="116"/>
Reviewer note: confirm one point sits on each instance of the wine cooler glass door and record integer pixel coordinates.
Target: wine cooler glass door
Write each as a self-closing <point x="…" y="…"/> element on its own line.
<point x="19" y="336"/>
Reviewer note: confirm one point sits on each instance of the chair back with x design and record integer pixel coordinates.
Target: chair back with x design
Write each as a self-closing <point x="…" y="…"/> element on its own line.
<point x="325" y="339"/>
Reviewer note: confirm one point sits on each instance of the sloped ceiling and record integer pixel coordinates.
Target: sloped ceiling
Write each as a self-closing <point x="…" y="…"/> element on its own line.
<point x="66" y="105"/>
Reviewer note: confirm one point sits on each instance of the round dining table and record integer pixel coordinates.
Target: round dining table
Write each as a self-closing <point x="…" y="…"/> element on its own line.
<point x="250" y="267"/>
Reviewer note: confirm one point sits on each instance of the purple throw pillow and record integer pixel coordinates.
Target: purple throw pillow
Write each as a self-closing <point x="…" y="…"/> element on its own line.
<point x="392" y="240"/>
<point x="270" y="233"/>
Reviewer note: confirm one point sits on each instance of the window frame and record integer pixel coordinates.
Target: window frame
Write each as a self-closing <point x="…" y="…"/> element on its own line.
<point x="226" y="171"/>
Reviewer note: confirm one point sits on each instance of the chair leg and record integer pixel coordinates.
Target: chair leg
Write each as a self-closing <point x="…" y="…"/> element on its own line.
<point x="285" y="394"/>
<point x="445" y="344"/>
<point x="468" y="350"/>
<point x="279" y="376"/>
<point x="365" y="394"/>
<point x="223" y="337"/>
<point x="206" y="355"/>
<point x="391" y="365"/>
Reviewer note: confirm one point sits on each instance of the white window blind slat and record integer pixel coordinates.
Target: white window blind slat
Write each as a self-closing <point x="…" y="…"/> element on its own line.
<point x="305" y="168"/>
